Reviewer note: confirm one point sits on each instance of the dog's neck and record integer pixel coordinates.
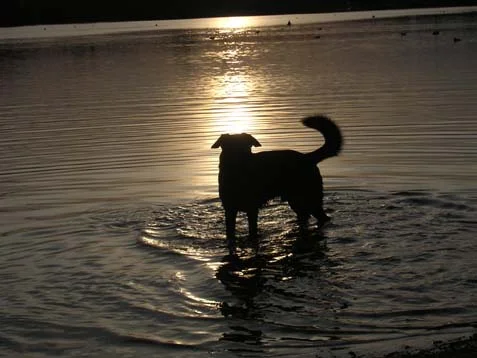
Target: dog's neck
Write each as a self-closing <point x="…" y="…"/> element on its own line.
<point x="235" y="159"/>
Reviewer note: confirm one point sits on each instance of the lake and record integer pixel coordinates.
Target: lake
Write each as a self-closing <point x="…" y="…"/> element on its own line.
<point x="112" y="233"/>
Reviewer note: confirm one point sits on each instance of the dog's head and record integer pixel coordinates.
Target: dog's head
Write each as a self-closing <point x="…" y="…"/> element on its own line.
<point x="236" y="143"/>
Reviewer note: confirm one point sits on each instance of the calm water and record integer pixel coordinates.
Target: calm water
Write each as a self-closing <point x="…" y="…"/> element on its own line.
<point x="112" y="234"/>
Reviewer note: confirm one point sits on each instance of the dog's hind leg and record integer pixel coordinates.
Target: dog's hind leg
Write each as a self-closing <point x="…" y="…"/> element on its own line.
<point x="252" y="216"/>
<point x="302" y="214"/>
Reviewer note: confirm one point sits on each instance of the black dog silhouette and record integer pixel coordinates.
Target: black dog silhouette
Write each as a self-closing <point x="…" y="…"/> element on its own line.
<point x="249" y="180"/>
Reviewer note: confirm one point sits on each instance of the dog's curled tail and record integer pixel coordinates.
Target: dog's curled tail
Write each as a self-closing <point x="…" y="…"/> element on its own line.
<point x="331" y="133"/>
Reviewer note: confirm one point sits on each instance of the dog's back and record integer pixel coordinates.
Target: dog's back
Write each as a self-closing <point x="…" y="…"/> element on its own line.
<point x="286" y="174"/>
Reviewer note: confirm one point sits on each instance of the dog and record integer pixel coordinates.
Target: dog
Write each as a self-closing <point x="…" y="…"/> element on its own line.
<point x="247" y="181"/>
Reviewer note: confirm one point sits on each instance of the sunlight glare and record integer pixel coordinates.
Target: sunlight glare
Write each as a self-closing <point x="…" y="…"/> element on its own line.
<point x="236" y="22"/>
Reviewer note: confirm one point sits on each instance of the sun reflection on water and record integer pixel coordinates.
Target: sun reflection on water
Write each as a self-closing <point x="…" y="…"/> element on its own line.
<point x="233" y="114"/>
<point x="234" y="92"/>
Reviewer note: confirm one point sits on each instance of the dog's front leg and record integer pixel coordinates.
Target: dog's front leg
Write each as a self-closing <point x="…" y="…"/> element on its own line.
<point x="230" y="220"/>
<point x="252" y="216"/>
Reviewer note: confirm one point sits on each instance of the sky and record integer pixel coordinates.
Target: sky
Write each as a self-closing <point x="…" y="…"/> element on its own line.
<point x="33" y="12"/>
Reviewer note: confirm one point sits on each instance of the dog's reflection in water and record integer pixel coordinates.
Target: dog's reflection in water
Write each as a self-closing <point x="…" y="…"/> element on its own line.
<point x="247" y="180"/>
<point x="250" y="270"/>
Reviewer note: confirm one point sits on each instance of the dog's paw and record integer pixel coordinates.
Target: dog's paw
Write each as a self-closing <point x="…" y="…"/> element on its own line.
<point x="324" y="222"/>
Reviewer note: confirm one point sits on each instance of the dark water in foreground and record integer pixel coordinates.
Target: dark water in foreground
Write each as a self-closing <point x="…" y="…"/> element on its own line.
<point x="112" y="239"/>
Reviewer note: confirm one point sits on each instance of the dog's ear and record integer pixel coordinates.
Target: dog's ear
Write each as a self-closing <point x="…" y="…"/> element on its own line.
<point x="219" y="141"/>
<point x="253" y="142"/>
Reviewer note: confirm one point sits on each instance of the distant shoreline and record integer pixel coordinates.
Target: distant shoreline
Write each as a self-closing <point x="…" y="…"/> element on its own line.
<point x="19" y="16"/>
<point x="104" y="28"/>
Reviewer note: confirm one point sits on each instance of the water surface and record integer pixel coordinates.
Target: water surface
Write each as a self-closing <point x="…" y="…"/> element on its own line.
<point x="112" y="234"/>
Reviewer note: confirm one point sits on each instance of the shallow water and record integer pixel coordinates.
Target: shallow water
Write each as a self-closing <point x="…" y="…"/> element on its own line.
<point x="112" y="234"/>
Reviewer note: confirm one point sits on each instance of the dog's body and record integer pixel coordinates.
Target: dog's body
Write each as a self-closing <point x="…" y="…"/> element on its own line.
<point x="249" y="180"/>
